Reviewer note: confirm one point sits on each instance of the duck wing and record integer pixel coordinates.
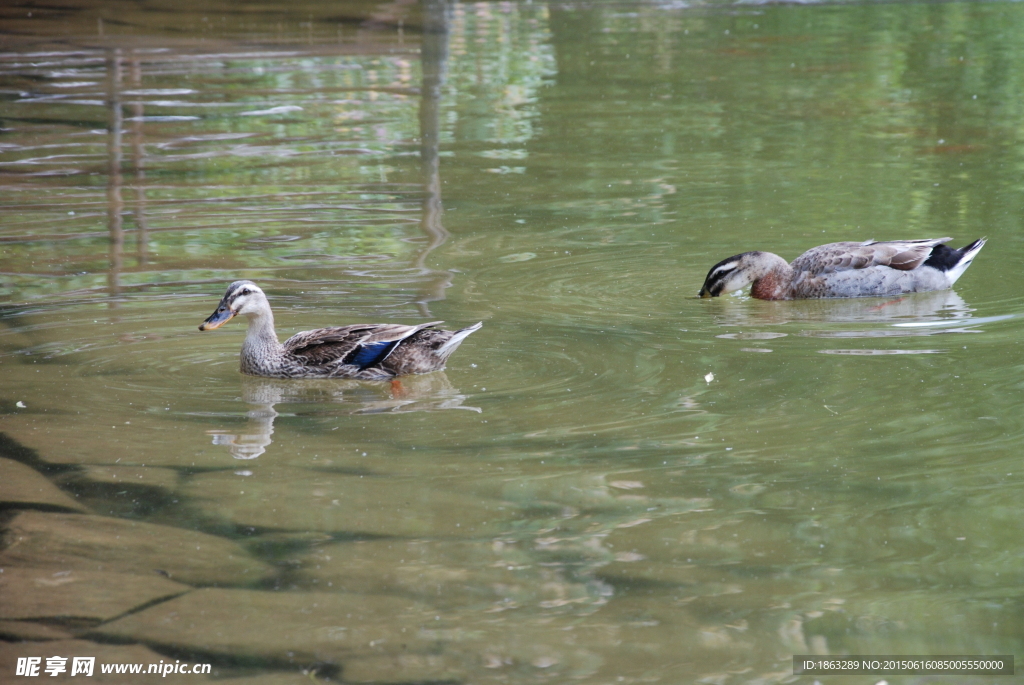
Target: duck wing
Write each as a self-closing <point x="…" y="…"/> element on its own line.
<point x="362" y="345"/>
<point x="904" y="255"/>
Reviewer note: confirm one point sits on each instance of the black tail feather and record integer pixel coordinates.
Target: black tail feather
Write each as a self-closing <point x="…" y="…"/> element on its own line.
<point x="945" y="258"/>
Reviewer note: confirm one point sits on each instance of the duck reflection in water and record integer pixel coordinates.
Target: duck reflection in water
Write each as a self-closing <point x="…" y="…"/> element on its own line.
<point x="427" y="392"/>
<point x="941" y="305"/>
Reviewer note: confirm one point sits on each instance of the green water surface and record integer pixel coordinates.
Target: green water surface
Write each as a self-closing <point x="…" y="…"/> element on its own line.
<point x="614" y="481"/>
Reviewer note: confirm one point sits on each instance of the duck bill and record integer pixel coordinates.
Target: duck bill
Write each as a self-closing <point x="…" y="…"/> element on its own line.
<point x="704" y="292"/>
<point x="217" y="319"/>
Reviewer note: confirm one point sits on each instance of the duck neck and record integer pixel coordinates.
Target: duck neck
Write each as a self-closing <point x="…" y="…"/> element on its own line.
<point x="261" y="347"/>
<point x="775" y="281"/>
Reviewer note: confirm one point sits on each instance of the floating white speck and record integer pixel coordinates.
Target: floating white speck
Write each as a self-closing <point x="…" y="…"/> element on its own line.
<point x="518" y="257"/>
<point x="164" y="117"/>
<point x="20" y="405"/>
<point x="273" y="110"/>
<point x="159" y="91"/>
<point x="710" y="377"/>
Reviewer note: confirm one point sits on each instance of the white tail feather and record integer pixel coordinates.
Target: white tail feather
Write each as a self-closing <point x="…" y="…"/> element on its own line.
<point x="445" y="351"/>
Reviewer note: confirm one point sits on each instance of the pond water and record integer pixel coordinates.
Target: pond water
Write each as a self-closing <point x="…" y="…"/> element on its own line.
<point x="613" y="481"/>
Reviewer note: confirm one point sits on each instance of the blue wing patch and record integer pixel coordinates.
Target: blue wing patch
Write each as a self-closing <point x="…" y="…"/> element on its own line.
<point x="368" y="354"/>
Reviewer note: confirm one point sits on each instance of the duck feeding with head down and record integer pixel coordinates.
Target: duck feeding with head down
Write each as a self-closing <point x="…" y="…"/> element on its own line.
<point x="868" y="269"/>
<point x="360" y="351"/>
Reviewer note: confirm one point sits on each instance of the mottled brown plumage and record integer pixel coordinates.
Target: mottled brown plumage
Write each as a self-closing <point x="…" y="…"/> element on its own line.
<point x="361" y="351"/>
<point x="904" y="255"/>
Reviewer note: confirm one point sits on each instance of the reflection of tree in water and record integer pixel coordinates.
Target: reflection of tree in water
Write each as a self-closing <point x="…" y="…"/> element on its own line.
<point x="434" y="63"/>
<point x="213" y="195"/>
<point x="115" y="204"/>
<point x="426" y="392"/>
<point x="115" y="157"/>
<point x="502" y="58"/>
<point x="500" y="63"/>
<point x="138" y="162"/>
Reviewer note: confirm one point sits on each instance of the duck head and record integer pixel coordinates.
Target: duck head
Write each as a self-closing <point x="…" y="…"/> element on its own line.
<point x="242" y="297"/>
<point x="731" y="274"/>
<point x="769" y="273"/>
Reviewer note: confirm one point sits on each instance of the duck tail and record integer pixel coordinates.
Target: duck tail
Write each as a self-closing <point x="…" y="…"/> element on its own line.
<point x="955" y="262"/>
<point x="452" y="344"/>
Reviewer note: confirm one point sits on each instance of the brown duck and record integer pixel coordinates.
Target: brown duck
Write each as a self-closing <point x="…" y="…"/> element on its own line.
<point x="361" y="351"/>
<point x="867" y="269"/>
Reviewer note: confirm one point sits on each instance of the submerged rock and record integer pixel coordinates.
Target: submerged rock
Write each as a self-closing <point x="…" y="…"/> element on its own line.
<point x="152" y="477"/>
<point x="296" y="627"/>
<point x="442" y="572"/>
<point x="277" y="678"/>
<point x="108" y="655"/>
<point x="100" y="543"/>
<point x="102" y="438"/>
<point x="31" y="630"/>
<point x="22" y="485"/>
<point x="404" y="668"/>
<point x="300" y="499"/>
<point x="32" y="593"/>
<point x="373" y="638"/>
